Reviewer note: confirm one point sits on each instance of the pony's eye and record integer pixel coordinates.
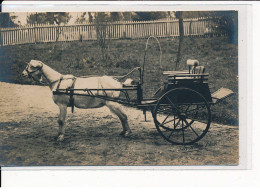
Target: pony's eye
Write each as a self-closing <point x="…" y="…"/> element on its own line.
<point x="32" y="68"/>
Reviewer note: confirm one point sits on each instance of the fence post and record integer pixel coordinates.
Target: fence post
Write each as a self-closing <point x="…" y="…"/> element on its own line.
<point x="1" y="39"/>
<point x="35" y="34"/>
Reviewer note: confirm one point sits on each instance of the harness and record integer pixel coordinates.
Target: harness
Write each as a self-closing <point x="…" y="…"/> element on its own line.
<point x="68" y="90"/>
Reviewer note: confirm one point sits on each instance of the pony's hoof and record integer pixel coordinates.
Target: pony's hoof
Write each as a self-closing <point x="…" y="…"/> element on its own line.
<point x="60" y="137"/>
<point x="126" y="133"/>
<point x="122" y="133"/>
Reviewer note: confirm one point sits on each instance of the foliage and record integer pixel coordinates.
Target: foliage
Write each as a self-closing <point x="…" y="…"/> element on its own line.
<point x="85" y="16"/>
<point x="223" y="21"/>
<point x="82" y="18"/>
<point x="49" y="18"/>
<point x="143" y="16"/>
<point x="116" y="16"/>
<point x="101" y="22"/>
<point x="196" y="14"/>
<point x="127" y="16"/>
<point x="227" y="22"/>
<point x="6" y="20"/>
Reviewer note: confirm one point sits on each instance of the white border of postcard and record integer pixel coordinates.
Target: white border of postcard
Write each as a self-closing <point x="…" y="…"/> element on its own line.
<point x="247" y="15"/>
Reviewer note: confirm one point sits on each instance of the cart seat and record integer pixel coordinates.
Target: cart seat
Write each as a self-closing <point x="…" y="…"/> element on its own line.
<point x="194" y="74"/>
<point x="195" y="70"/>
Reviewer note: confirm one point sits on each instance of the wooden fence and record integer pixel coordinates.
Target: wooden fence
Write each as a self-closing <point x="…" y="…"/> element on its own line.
<point x="117" y="30"/>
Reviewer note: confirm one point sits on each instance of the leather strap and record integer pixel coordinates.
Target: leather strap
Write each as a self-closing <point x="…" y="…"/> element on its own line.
<point x="72" y="94"/>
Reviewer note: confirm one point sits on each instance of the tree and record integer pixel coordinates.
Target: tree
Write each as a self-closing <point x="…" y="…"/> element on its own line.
<point x="196" y="14"/>
<point x="127" y="16"/>
<point x="227" y="22"/>
<point x="143" y="16"/>
<point x="223" y="22"/>
<point x="90" y="17"/>
<point x="49" y="18"/>
<point x="82" y="18"/>
<point x="85" y="17"/>
<point x="115" y="16"/>
<point x="6" y="20"/>
<point x="181" y="32"/>
<point x="101" y="22"/>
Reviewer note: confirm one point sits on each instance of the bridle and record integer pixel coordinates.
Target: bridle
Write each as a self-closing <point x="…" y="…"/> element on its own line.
<point x="30" y="73"/>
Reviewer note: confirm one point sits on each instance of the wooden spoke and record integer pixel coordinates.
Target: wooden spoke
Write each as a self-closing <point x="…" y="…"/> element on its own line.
<point x="183" y="135"/>
<point x="194" y="131"/>
<point x="187" y="109"/>
<point x="177" y="124"/>
<point x="166" y="118"/>
<point x="172" y="104"/>
<point x="191" y="127"/>
<point x="170" y="135"/>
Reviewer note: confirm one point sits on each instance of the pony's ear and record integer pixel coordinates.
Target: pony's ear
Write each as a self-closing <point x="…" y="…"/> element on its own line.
<point x="41" y="63"/>
<point x="35" y="63"/>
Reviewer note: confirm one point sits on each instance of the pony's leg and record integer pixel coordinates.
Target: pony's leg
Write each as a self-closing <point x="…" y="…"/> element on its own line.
<point x="61" y="121"/>
<point x="116" y="109"/>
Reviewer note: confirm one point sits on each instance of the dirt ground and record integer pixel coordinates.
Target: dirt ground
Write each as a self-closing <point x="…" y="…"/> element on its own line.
<point x="28" y="128"/>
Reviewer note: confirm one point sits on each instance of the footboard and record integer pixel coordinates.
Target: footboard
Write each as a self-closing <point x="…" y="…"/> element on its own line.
<point x="221" y="95"/>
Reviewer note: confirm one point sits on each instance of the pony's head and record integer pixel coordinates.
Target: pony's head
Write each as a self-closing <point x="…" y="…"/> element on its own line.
<point x="33" y="70"/>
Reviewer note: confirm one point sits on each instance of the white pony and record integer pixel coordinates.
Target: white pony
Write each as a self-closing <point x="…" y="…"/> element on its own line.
<point x="38" y="69"/>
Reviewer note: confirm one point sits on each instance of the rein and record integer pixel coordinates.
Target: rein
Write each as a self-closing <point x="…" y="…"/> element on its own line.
<point x="31" y="72"/>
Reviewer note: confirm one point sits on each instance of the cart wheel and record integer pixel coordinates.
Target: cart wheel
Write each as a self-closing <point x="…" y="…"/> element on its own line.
<point x="182" y="116"/>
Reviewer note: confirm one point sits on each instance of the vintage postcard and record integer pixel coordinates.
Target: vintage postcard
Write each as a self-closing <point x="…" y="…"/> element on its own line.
<point x="119" y="88"/>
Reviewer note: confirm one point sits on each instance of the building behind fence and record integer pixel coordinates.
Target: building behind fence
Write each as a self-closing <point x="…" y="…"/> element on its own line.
<point x="42" y="33"/>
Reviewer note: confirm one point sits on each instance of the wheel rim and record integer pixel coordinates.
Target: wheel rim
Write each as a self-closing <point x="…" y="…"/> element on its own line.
<point x="179" y="121"/>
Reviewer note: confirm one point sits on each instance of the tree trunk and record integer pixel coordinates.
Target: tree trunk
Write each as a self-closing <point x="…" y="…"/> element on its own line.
<point x="181" y="33"/>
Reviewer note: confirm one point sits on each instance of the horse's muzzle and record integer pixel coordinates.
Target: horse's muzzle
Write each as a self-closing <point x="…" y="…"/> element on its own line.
<point x="24" y="73"/>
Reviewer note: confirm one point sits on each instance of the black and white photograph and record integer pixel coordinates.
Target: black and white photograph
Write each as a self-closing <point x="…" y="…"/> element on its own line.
<point x="135" y="88"/>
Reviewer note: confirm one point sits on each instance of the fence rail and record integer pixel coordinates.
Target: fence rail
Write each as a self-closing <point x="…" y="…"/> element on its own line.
<point x="117" y="30"/>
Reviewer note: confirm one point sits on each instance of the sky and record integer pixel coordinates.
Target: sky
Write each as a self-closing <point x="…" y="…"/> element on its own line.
<point x="22" y="16"/>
